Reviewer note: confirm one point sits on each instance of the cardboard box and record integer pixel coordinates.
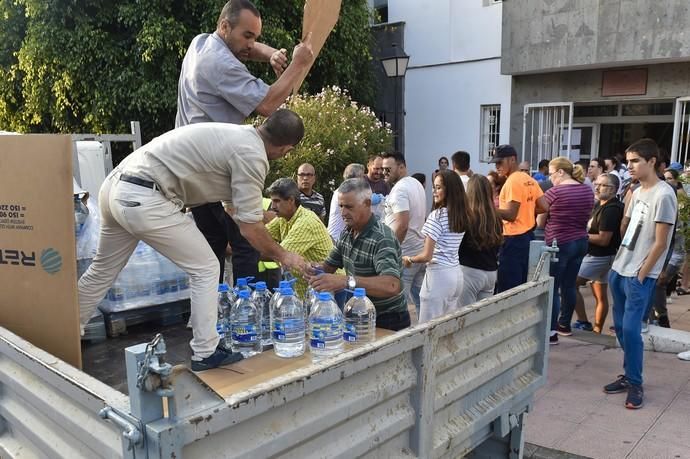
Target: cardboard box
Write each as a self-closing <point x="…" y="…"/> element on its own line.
<point x="38" y="267"/>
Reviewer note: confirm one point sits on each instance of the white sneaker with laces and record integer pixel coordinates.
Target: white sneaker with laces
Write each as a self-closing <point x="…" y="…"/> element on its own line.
<point x="645" y="327"/>
<point x="684" y="355"/>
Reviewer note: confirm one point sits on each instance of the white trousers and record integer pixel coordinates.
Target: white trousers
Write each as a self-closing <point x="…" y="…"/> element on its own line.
<point x="440" y="292"/>
<point x="479" y="284"/>
<point x="130" y="213"/>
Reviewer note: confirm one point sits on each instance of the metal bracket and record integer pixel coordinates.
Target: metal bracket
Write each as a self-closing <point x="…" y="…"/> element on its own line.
<point x="132" y="433"/>
<point x="153" y="372"/>
<point x="548" y="254"/>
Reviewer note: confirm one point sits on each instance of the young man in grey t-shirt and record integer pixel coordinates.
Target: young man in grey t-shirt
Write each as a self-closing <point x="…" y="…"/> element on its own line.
<point x="647" y="229"/>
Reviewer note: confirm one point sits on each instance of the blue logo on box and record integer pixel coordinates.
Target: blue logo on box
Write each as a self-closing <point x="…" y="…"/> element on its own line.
<point x="51" y="261"/>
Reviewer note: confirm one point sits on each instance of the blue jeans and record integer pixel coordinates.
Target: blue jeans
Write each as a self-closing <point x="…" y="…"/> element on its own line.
<point x="564" y="273"/>
<point x="630" y="300"/>
<point x="513" y="261"/>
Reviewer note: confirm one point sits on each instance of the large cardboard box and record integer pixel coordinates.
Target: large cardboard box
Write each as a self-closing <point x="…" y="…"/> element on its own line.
<point x="37" y="243"/>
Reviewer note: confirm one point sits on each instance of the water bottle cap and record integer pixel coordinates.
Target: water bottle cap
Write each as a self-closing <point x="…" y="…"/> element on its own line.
<point x="244" y="294"/>
<point x="286" y="291"/>
<point x="223" y="288"/>
<point x="242" y="282"/>
<point x="360" y="292"/>
<point x="324" y="296"/>
<point x="283" y="284"/>
<point x="260" y="286"/>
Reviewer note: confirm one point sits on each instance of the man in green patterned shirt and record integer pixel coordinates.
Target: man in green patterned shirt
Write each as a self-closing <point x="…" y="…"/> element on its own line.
<point x="370" y="254"/>
<point x="296" y="226"/>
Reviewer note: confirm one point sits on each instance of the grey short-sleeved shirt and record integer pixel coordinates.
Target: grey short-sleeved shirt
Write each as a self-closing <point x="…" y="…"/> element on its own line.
<point x="214" y="85"/>
<point x="647" y="208"/>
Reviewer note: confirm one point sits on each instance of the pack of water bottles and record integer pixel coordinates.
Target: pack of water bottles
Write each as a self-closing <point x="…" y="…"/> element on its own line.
<point x="250" y="322"/>
<point x="147" y="279"/>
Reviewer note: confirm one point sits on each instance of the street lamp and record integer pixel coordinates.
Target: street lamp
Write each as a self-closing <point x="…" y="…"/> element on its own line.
<point x="395" y="65"/>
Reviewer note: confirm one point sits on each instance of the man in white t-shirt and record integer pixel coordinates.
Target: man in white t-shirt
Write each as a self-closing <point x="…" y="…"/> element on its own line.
<point x="461" y="166"/>
<point x="405" y="213"/>
<point x="142" y="199"/>
<point x="647" y="229"/>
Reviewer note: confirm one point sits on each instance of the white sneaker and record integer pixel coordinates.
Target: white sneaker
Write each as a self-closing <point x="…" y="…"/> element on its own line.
<point x="645" y="327"/>
<point x="684" y="355"/>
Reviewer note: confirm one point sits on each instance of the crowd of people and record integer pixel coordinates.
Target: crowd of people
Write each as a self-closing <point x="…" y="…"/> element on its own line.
<point x="612" y="224"/>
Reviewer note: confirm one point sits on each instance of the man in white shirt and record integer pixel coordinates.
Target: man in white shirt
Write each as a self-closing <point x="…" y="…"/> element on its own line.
<point x="405" y="213"/>
<point x="142" y="199"/>
<point x="461" y="166"/>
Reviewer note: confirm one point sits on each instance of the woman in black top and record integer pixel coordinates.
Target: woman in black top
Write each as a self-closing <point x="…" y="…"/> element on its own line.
<point x="478" y="251"/>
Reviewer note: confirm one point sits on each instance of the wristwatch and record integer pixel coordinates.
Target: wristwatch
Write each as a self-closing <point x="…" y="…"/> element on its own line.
<point x="351" y="282"/>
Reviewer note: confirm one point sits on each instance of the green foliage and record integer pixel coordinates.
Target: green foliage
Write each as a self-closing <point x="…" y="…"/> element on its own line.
<point x="338" y="131"/>
<point x="95" y="65"/>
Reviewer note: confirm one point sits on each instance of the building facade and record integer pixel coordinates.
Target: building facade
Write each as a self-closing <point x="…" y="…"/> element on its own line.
<point x="454" y="93"/>
<point x="590" y="77"/>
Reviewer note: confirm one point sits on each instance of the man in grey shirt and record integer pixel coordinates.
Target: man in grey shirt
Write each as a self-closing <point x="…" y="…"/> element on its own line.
<point x="215" y="85"/>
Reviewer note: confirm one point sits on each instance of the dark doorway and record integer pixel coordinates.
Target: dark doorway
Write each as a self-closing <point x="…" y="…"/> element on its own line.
<point x="615" y="138"/>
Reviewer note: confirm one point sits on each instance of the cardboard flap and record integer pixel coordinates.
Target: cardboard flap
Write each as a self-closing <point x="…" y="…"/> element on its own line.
<point x="38" y="267"/>
<point x="320" y="16"/>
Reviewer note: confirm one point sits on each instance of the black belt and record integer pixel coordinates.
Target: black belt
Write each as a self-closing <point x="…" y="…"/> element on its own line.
<point x="138" y="181"/>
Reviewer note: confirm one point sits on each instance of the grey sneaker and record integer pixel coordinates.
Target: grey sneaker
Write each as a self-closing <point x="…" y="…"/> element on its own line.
<point x="635" y="398"/>
<point x="684" y="355"/>
<point x="619" y="385"/>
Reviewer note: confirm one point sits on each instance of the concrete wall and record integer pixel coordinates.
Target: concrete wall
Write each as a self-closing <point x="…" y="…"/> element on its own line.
<point x="545" y="35"/>
<point x="454" y="49"/>
<point x="666" y="81"/>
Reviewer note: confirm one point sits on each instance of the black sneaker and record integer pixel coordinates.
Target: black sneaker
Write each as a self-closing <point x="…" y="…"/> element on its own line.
<point x="220" y="357"/>
<point x="553" y="339"/>
<point x="635" y="398"/>
<point x="564" y="330"/>
<point x="619" y="385"/>
<point x="664" y="322"/>
<point x="583" y="325"/>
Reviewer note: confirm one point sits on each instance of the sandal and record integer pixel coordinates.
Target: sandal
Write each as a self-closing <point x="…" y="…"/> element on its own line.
<point x="680" y="291"/>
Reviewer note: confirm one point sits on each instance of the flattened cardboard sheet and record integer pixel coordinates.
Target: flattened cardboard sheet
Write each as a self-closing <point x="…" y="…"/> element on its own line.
<point x="243" y="375"/>
<point x="38" y="267"/>
<point x="320" y="17"/>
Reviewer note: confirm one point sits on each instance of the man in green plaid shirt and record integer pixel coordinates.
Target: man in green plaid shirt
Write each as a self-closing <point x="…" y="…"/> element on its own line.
<point x="370" y="255"/>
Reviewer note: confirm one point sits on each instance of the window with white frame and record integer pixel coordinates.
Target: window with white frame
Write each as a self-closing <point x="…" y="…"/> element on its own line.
<point x="490" y="130"/>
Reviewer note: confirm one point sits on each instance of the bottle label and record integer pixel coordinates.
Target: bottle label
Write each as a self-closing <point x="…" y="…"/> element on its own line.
<point x="323" y="330"/>
<point x="287" y="326"/>
<point x="244" y="333"/>
<point x="350" y="334"/>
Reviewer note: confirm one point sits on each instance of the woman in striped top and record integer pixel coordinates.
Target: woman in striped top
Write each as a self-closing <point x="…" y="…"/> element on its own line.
<point x="443" y="231"/>
<point x="570" y="207"/>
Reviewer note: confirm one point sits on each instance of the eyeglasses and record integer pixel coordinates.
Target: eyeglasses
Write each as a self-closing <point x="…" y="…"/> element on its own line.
<point x="304" y="174"/>
<point x="386" y="169"/>
<point x="599" y="185"/>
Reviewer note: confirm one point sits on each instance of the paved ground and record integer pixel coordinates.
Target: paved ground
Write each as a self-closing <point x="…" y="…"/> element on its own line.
<point x="573" y="415"/>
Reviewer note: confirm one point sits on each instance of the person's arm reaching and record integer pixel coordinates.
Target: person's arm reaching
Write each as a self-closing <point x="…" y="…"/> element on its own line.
<point x="302" y="57"/>
<point x="258" y="237"/>
<point x="422" y="257"/>
<point x="261" y="52"/>
<point x="400" y="224"/>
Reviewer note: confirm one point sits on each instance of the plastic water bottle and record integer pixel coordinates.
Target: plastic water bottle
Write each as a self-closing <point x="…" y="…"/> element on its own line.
<point x="245" y="326"/>
<point x="243" y="284"/>
<point x="287" y="326"/>
<point x="262" y="300"/>
<point x="81" y="212"/>
<point x="224" y="307"/>
<point x="276" y="297"/>
<point x="325" y="328"/>
<point x="310" y="298"/>
<point x="360" y="319"/>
